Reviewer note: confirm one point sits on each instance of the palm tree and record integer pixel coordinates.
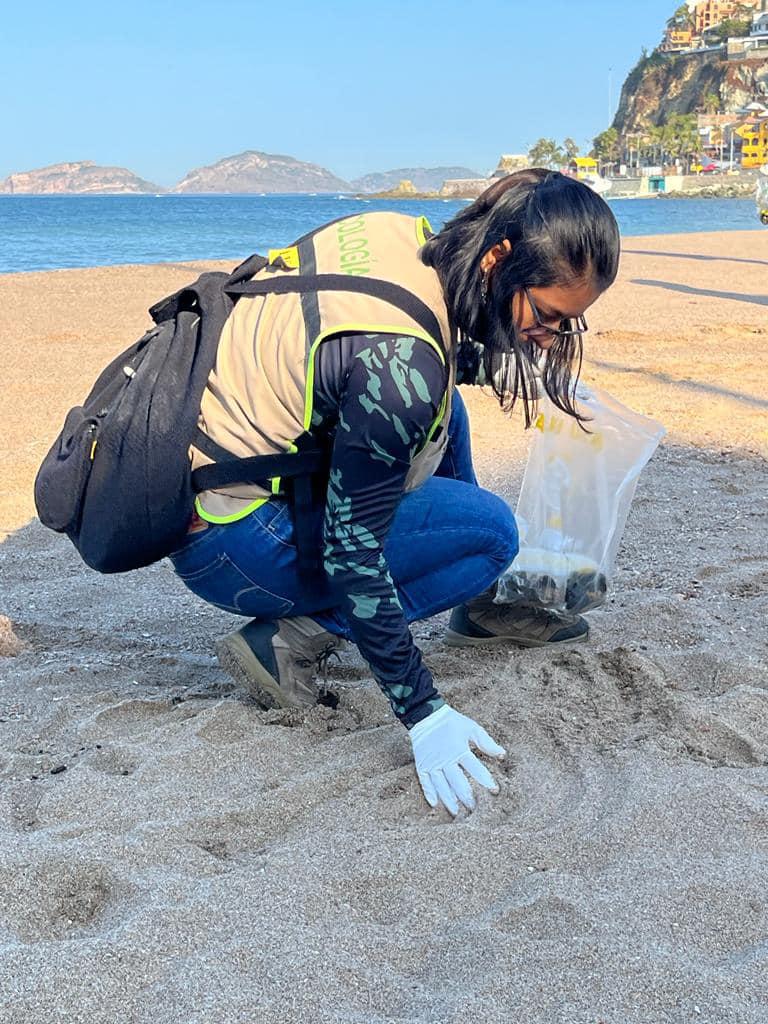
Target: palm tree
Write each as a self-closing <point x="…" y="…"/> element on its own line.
<point x="546" y="153"/>
<point x="605" y="146"/>
<point x="711" y="103"/>
<point x="571" y="149"/>
<point x="683" y="18"/>
<point x="656" y="143"/>
<point x="743" y="12"/>
<point x="683" y="140"/>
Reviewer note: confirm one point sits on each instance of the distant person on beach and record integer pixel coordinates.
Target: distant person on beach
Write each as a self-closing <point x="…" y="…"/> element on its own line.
<point x="404" y="530"/>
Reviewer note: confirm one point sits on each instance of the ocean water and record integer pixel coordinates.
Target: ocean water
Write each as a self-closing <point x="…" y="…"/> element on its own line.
<point x="51" y="232"/>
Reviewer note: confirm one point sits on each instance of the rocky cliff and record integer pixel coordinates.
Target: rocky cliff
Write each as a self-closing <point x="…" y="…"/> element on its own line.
<point x="424" y="179"/>
<point x="661" y="85"/>
<point x="261" y="172"/>
<point x="82" y="176"/>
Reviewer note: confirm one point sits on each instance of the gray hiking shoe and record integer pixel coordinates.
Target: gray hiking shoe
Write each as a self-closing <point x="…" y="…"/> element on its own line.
<point x="480" y="622"/>
<point x="277" y="662"/>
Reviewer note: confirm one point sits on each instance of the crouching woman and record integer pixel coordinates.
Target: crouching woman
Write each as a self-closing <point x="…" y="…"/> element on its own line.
<point x="369" y="376"/>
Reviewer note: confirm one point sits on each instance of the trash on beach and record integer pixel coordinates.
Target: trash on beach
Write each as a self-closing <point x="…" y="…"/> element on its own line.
<point x="10" y="644"/>
<point x="574" y="501"/>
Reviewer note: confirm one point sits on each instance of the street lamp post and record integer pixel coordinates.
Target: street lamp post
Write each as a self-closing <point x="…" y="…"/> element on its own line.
<point x="637" y="136"/>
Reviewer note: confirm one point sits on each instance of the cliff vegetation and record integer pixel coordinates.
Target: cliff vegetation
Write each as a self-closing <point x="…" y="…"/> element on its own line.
<point x="662" y="85"/>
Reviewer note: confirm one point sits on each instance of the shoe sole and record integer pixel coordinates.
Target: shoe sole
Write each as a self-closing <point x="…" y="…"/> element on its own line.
<point x="237" y="658"/>
<point x="461" y="640"/>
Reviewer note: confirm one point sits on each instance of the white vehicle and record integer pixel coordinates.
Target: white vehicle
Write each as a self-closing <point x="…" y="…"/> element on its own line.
<point x="761" y="194"/>
<point x="597" y="184"/>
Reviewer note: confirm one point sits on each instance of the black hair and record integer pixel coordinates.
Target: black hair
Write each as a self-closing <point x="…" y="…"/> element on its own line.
<point x="561" y="233"/>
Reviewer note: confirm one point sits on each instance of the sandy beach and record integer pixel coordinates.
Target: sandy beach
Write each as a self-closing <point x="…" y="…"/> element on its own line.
<point x="171" y="854"/>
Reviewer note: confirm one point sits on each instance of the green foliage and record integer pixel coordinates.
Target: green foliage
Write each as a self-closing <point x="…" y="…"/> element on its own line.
<point x="677" y="139"/>
<point x="605" y="146"/>
<point x="731" y="27"/>
<point x="682" y="18"/>
<point x="571" y="149"/>
<point x="546" y="153"/>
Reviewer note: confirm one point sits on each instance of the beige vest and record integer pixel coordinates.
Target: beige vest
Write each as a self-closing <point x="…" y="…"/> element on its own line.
<point x="258" y="399"/>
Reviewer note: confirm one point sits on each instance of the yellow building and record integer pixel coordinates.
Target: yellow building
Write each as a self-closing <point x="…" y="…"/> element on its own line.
<point x="676" y="39"/>
<point x="583" y="167"/>
<point x="709" y="13"/>
<point x="754" y="147"/>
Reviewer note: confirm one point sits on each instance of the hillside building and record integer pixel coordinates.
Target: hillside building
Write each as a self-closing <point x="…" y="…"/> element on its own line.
<point x="760" y="22"/>
<point x="704" y="19"/>
<point x="709" y="13"/>
<point x="509" y="163"/>
<point x="754" y="145"/>
<point x="676" y="39"/>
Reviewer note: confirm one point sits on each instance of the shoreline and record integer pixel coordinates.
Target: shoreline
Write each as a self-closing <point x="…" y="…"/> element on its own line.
<point x="720" y="190"/>
<point x="228" y="263"/>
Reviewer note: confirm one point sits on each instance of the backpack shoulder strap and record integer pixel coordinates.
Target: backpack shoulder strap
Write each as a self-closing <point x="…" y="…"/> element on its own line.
<point x="248" y="268"/>
<point x="392" y="293"/>
<point x="193" y="296"/>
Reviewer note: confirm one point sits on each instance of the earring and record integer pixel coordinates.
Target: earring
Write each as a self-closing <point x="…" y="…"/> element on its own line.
<point x="484" y="275"/>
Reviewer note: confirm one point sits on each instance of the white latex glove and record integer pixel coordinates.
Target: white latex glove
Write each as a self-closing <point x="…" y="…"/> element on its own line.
<point x="441" y="750"/>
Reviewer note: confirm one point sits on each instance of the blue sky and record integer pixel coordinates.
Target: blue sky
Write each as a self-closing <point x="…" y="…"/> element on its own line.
<point x="162" y="87"/>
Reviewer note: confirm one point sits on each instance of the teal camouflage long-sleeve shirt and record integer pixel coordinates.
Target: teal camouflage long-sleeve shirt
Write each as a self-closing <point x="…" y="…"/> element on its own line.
<point x="377" y="397"/>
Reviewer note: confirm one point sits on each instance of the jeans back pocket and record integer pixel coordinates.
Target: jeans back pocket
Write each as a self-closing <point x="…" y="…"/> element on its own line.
<point x="218" y="581"/>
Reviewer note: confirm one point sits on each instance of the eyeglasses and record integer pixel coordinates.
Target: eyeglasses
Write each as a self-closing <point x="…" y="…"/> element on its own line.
<point x="566" y="330"/>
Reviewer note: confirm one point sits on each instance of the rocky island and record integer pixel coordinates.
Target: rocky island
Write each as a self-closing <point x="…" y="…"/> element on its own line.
<point x="80" y="177"/>
<point x="254" y="171"/>
<point x="425" y="180"/>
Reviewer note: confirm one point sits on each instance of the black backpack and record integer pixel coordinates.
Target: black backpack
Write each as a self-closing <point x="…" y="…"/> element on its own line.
<point x="118" y="480"/>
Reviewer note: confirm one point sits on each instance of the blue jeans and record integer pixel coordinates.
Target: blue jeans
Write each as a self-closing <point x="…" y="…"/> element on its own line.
<point x="449" y="540"/>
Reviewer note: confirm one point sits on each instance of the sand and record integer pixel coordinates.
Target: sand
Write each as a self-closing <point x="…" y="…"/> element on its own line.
<point x="169" y="853"/>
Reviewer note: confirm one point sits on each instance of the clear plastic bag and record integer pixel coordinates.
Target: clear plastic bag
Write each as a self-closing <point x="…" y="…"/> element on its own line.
<point x="574" y="501"/>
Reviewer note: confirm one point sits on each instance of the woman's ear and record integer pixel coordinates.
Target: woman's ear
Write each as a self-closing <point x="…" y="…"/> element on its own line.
<point x="495" y="255"/>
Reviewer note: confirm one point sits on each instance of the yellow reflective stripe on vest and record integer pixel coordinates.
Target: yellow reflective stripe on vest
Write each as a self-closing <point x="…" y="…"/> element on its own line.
<point x="276" y="480"/>
<point x="423" y="227"/>
<point x="223" y="520"/>
<point x="236" y="516"/>
<point x="440" y="414"/>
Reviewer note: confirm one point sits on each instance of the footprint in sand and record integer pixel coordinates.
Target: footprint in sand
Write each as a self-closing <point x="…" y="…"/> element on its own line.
<point x="753" y="586"/>
<point x="113" y="760"/>
<point x="730" y="730"/>
<point x="611" y="700"/>
<point x="53" y="900"/>
<point x="536" y="915"/>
